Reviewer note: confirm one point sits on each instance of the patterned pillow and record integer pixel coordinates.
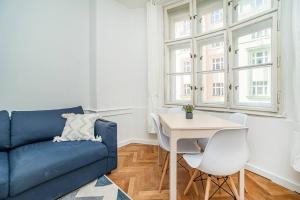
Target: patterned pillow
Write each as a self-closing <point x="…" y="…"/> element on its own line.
<point x="78" y="127"/>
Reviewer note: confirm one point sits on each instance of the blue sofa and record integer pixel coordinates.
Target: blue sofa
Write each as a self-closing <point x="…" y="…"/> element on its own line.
<point x="33" y="167"/>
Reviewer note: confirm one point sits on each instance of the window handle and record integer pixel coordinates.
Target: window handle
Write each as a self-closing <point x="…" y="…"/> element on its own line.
<point x="235" y="6"/>
<point x="236" y="51"/>
<point x="230" y="87"/>
<point x="195" y="88"/>
<point x="191" y="87"/>
<point x="236" y="87"/>
<point x="195" y="16"/>
<point x="200" y="20"/>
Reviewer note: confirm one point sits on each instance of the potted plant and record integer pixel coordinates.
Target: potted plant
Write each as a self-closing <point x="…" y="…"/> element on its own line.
<point x="188" y="111"/>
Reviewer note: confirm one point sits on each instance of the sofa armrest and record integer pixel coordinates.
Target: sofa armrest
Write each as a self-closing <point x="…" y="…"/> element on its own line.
<point x="108" y="131"/>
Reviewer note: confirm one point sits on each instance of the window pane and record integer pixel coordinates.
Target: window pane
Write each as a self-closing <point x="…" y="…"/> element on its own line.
<point x="179" y="22"/>
<point x="247" y="8"/>
<point x="179" y="58"/>
<point x="210" y="15"/>
<point x="253" y="86"/>
<point x="253" y="44"/>
<point x="211" y="88"/>
<point x="179" y="90"/>
<point x="211" y="54"/>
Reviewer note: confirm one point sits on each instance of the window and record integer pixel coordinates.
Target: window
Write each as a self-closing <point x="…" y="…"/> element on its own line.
<point x="187" y="89"/>
<point x="259" y="57"/>
<point x="259" y="88"/>
<point x="218" y="63"/>
<point x="221" y="63"/>
<point x="260" y="34"/>
<point x="217" y="16"/>
<point x="244" y="9"/>
<point x="218" y="89"/>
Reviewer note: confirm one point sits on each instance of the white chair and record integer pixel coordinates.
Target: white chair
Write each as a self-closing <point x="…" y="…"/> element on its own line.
<point x="226" y="154"/>
<point x="238" y="118"/>
<point x="183" y="146"/>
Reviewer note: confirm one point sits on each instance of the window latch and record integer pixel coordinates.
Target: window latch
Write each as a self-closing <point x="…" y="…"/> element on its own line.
<point x="195" y="16"/>
<point x="230" y="87"/>
<point x="195" y="88"/>
<point x="229" y="48"/>
<point x="200" y="20"/>
<point x="236" y="87"/>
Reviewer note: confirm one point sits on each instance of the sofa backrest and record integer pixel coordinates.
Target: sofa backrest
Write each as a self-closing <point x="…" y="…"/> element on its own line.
<point x="4" y="130"/>
<point x="34" y="126"/>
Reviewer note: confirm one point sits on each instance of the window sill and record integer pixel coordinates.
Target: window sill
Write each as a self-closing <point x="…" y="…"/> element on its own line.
<point x="227" y="110"/>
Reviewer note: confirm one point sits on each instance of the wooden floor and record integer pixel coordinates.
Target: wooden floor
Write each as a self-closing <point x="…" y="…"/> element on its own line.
<point x="138" y="174"/>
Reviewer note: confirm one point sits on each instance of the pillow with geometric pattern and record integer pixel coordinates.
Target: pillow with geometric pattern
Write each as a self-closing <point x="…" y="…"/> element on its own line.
<point x="79" y="127"/>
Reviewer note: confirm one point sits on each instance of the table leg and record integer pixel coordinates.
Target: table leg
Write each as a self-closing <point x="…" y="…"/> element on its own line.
<point x="242" y="184"/>
<point x="173" y="167"/>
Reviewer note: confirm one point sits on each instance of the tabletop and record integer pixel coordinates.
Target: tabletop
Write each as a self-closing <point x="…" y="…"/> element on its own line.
<point x="177" y="121"/>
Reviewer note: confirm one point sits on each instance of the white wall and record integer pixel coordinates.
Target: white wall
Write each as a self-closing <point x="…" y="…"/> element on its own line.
<point x="120" y="67"/>
<point x="44" y="54"/>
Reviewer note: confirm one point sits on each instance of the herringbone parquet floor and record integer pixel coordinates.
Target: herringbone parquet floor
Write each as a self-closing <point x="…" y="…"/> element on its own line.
<point x="138" y="174"/>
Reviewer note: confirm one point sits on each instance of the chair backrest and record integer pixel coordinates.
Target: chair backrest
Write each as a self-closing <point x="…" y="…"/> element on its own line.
<point x="162" y="138"/>
<point x="239" y="118"/>
<point x="226" y="152"/>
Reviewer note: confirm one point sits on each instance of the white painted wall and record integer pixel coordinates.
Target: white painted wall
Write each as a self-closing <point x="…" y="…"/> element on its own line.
<point x="120" y="67"/>
<point x="44" y="54"/>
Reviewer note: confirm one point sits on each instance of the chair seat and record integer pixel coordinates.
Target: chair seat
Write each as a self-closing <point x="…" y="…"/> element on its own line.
<point x="37" y="163"/>
<point x="184" y="146"/>
<point x="4" y="175"/>
<point x="194" y="160"/>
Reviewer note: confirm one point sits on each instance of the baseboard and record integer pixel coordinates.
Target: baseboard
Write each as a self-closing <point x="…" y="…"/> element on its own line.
<point x="274" y="178"/>
<point x="137" y="141"/>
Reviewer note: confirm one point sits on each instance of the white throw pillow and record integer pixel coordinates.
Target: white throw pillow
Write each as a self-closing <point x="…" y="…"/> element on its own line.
<point x="78" y="127"/>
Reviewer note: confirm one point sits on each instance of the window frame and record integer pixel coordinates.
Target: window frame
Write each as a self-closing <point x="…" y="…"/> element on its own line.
<point x="167" y="66"/>
<point x="275" y="108"/>
<point x="225" y="70"/>
<point x="227" y="30"/>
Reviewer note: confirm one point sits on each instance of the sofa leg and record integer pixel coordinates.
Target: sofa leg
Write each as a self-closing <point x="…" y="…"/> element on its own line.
<point x="108" y="173"/>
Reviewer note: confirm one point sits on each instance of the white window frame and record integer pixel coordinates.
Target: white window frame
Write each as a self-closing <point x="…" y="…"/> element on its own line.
<point x="168" y="73"/>
<point x="225" y="70"/>
<point x="229" y="27"/>
<point x="275" y="108"/>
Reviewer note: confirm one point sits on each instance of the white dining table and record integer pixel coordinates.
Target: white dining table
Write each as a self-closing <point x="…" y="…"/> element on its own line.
<point x="202" y="125"/>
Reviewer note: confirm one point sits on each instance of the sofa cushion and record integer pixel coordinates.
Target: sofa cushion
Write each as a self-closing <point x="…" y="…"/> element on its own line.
<point x="34" y="126"/>
<point x="4" y="130"/>
<point x="33" y="164"/>
<point x="4" y="175"/>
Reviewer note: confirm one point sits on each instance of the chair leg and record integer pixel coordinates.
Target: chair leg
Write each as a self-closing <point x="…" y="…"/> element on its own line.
<point x="208" y="182"/>
<point x="246" y="189"/>
<point x="166" y="164"/>
<point x="235" y="192"/>
<point x="158" y="155"/>
<point x="191" y="182"/>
